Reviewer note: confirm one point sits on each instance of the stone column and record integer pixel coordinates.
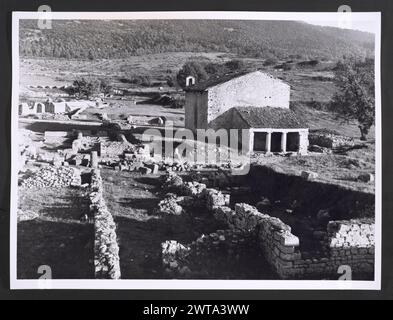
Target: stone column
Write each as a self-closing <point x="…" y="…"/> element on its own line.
<point x="94" y="159"/>
<point x="268" y="141"/>
<point x="284" y="142"/>
<point x="303" y="142"/>
<point x="251" y="142"/>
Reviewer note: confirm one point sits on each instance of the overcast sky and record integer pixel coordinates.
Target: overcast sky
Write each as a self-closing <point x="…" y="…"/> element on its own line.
<point x="361" y="25"/>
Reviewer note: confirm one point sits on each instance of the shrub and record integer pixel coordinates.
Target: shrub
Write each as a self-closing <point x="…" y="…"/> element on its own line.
<point x="235" y="65"/>
<point x="270" y="62"/>
<point x="192" y="68"/>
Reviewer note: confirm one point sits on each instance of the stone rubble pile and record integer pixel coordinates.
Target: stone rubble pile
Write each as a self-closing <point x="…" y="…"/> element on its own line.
<point x="170" y="205"/>
<point x="172" y="182"/>
<point x="50" y="176"/>
<point x="49" y="116"/>
<point x="194" y="189"/>
<point x="175" y="166"/>
<point x="174" y="205"/>
<point x="115" y="148"/>
<point x="330" y="140"/>
<point x="174" y="255"/>
<point x="88" y="143"/>
<point x="106" y="248"/>
<point x="194" y="192"/>
<point x="200" y="257"/>
<point x="215" y="199"/>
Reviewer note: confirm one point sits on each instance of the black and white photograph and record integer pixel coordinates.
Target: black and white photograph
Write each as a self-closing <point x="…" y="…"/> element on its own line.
<point x="196" y="150"/>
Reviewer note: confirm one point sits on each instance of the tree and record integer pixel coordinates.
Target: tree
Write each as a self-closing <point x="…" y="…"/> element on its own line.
<point x="270" y="61"/>
<point x="216" y="69"/>
<point x="192" y="68"/>
<point x="85" y="87"/>
<point x="105" y="86"/>
<point x="90" y="55"/>
<point x="235" y="65"/>
<point x="355" y="98"/>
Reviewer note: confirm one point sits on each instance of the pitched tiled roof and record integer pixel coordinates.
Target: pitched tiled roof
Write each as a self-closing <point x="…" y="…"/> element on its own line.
<point x="269" y="117"/>
<point x="214" y="81"/>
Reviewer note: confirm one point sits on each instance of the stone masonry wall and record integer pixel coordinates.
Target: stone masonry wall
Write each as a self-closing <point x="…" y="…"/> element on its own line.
<point x="330" y="140"/>
<point x="253" y="89"/>
<point x="348" y="242"/>
<point x="106" y="248"/>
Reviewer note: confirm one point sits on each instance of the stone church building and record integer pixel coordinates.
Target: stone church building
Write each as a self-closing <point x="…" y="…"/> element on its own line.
<point x="254" y="101"/>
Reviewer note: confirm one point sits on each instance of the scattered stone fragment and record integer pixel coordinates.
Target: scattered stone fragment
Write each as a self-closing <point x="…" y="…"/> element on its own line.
<point x="215" y="198"/>
<point x="309" y="175"/>
<point x="171" y="182"/>
<point x="263" y="204"/>
<point x="366" y="177"/>
<point x="170" y="205"/>
<point x="315" y="148"/>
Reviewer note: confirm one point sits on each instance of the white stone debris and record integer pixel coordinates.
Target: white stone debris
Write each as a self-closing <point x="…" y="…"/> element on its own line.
<point x="55" y="177"/>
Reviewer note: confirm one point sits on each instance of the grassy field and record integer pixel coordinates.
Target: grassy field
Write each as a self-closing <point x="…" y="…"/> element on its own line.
<point x="58" y="72"/>
<point x="57" y="238"/>
<point x="338" y="169"/>
<point x="308" y="84"/>
<point x="317" y="119"/>
<point x="63" y="72"/>
<point x="140" y="112"/>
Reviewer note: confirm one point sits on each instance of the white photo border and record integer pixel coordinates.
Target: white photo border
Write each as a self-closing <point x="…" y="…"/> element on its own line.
<point x="148" y="284"/>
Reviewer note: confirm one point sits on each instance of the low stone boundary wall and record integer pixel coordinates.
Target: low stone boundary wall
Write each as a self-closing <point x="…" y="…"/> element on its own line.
<point x="330" y="140"/>
<point x="106" y="248"/>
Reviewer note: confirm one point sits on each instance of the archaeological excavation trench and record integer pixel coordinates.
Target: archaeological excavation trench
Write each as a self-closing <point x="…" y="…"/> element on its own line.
<point x="146" y="219"/>
<point x="265" y="225"/>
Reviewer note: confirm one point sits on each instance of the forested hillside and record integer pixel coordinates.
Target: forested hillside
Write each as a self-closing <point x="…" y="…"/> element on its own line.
<point x="119" y="39"/>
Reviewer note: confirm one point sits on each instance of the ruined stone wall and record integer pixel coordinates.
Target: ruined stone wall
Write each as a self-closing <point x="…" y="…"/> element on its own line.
<point x="114" y="148"/>
<point x="253" y="89"/>
<point x="344" y="243"/>
<point x="348" y="243"/>
<point x="330" y="140"/>
<point x="106" y="248"/>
